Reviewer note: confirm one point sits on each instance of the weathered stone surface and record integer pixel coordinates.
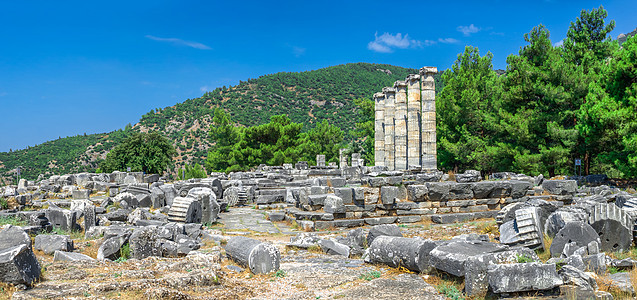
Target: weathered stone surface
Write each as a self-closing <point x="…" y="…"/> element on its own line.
<point x="560" y="187"/>
<point x="185" y="210"/>
<point x="483" y="189"/>
<point x="380" y="220"/>
<point x="142" y="242"/>
<point x="560" y="217"/>
<point x="511" y="278"/>
<point x="388" y="194"/>
<point x="127" y="200"/>
<point x="577" y="232"/>
<point x="460" y="191"/>
<point x="49" y="243"/>
<point x="476" y="267"/>
<point x="12" y="236"/>
<point x="468" y="176"/>
<point x="417" y="193"/>
<point x="62" y="218"/>
<point x="595" y="263"/>
<point x="345" y="193"/>
<point x="259" y="257"/>
<point x="385" y="229"/>
<point x="18" y="265"/>
<point x="70" y="256"/>
<point x="304" y="240"/>
<point x="437" y="191"/>
<point x="574" y="276"/>
<point x="622" y="281"/>
<point x="334" y="248"/>
<point x="209" y="206"/>
<point x="452" y="256"/>
<point x="411" y="253"/>
<point x="110" y="248"/>
<point x="333" y="204"/>
<point x="613" y="226"/>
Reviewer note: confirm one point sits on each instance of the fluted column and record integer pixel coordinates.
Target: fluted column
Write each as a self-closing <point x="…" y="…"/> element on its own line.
<point x="428" y="98"/>
<point x="379" y="129"/>
<point x="400" y="126"/>
<point x="413" y="121"/>
<point x="390" y="151"/>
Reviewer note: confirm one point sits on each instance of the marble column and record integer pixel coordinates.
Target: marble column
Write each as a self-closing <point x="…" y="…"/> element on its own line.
<point x="428" y="98"/>
<point x="413" y="121"/>
<point x="400" y="125"/>
<point x="342" y="158"/>
<point x="390" y="98"/>
<point x="379" y="129"/>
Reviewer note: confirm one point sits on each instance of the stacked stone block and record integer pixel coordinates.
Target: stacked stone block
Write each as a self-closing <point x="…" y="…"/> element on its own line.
<point x="405" y="116"/>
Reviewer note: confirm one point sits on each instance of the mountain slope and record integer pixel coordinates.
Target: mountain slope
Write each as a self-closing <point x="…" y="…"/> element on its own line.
<point x="306" y="97"/>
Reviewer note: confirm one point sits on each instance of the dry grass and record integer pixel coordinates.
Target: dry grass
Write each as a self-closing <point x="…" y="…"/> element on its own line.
<point x="89" y="248"/>
<point x="6" y="291"/>
<point x="604" y="283"/>
<point x="452" y="175"/>
<point x="545" y="254"/>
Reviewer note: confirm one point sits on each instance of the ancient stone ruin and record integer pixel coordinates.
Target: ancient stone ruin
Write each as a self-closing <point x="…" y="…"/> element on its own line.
<point x="343" y="230"/>
<point x="405" y="123"/>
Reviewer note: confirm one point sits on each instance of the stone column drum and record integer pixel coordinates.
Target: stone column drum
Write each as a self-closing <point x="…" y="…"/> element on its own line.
<point x="413" y="121"/>
<point x="342" y="158"/>
<point x="390" y="151"/>
<point x="320" y="160"/>
<point x="379" y="130"/>
<point x="428" y="98"/>
<point x="400" y="126"/>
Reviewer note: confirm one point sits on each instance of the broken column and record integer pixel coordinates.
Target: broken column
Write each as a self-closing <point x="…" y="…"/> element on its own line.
<point x="320" y="160"/>
<point x="259" y="257"/>
<point x="379" y="130"/>
<point x="356" y="160"/>
<point x="400" y="126"/>
<point x="413" y="121"/>
<point x="342" y="158"/>
<point x="390" y="98"/>
<point x="428" y="99"/>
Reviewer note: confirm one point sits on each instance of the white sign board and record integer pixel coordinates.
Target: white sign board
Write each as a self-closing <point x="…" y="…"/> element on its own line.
<point x="578" y="162"/>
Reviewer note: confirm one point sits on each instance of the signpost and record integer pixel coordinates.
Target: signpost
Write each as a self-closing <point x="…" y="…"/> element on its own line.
<point x="578" y="164"/>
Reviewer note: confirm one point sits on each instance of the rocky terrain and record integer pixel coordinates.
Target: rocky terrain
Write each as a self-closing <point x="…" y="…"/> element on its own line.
<point x="301" y="232"/>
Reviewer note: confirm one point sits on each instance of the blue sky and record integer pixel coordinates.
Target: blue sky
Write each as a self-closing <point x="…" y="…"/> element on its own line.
<point x="69" y="68"/>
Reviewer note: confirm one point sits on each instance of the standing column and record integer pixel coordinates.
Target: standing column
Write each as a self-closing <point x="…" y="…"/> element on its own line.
<point x="342" y="158"/>
<point x="401" y="125"/>
<point x="429" y="160"/>
<point x="413" y="121"/>
<point x="379" y="130"/>
<point x="390" y="151"/>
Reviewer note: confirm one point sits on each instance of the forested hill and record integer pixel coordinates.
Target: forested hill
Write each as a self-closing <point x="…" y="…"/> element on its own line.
<point x="306" y="97"/>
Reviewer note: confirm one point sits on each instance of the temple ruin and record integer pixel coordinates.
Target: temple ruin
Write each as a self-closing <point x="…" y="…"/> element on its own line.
<point x="405" y="123"/>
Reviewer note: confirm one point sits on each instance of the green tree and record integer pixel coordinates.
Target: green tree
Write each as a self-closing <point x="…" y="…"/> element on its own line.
<point x="323" y="139"/>
<point x="224" y="134"/>
<point x="608" y="116"/>
<point x="145" y="152"/>
<point x="465" y="120"/>
<point x="192" y="171"/>
<point x="537" y="107"/>
<point x="587" y="47"/>
<point x="364" y="132"/>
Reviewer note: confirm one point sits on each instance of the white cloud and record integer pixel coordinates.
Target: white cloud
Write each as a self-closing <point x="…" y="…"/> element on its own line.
<point x="559" y="44"/>
<point x="298" y="51"/>
<point x="468" y="30"/>
<point x="179" y="42"/>
<point x="204" y="89"/>
<point x="387" y="42"/>
<point x="448" y="40"/>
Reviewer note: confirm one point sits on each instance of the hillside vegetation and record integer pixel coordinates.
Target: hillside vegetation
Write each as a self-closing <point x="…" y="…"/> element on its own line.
<point x="305" y="97"/>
